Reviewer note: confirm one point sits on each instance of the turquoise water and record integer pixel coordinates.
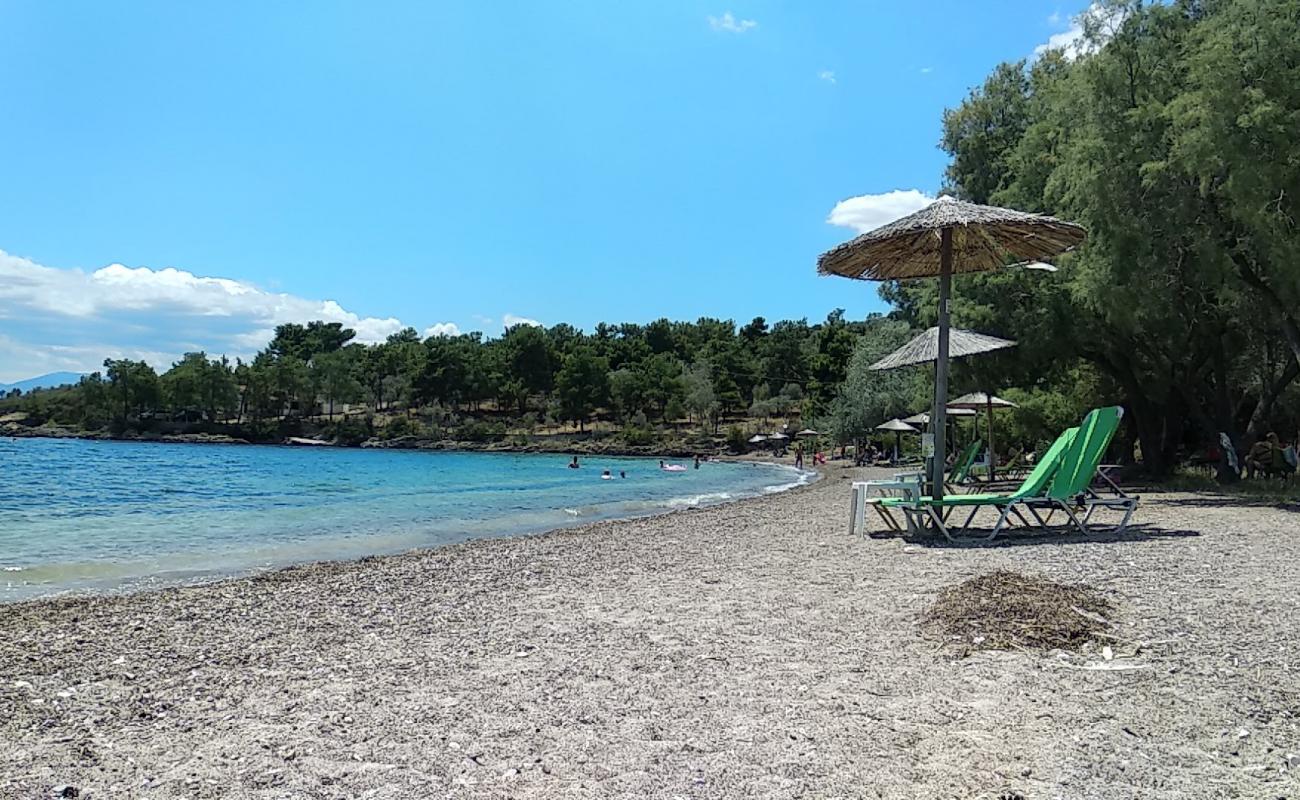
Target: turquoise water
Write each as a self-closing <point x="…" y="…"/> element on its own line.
<point x="86" y="515"/>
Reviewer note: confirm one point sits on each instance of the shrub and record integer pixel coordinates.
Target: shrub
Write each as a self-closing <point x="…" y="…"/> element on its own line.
<point x="638" y="436"/>
<point x="737" y="442"/>
<point x="481" y="432"/>
<point x="398" y="427"/>
<point x="349" y="431"/>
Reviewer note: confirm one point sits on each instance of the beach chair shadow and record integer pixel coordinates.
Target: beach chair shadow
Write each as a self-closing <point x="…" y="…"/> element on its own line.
<point x="1032" y="536"/>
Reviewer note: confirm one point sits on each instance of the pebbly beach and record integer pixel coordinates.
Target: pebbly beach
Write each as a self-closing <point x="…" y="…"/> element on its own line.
<point x="748" y="649"/>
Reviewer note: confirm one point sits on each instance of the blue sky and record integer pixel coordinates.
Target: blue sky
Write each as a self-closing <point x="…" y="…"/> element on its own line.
<point x="183" y="175"/>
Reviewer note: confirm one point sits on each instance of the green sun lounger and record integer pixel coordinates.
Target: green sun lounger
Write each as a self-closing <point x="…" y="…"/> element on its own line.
<point x="1059" y="481"/>
<point x="1034" y="484"/>
<point x="961" y="467"/>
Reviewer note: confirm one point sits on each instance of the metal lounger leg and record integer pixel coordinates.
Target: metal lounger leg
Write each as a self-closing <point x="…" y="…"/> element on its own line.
<point x="884" y="514"/>
<point x="1074" y="518"/>
<point x="1002" y="520"/>
<point x="1129" y="508"/>
<point x="970" y="517"/>
<point x="938" y="521"/>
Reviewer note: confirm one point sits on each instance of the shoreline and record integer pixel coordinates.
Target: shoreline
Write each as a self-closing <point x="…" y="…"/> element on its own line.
<point x="590" y="447"/>
<point x="182" y="578"/>
<point x="748" y="649"/>
<point x="578" y="527"/>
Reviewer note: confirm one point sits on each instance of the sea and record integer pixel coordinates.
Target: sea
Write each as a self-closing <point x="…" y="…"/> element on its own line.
<point x="80" y="516"/>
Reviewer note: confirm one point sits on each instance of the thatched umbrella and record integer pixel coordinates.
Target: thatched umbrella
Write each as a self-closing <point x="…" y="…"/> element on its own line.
<point x="923" y="417"/>
<point x="898" y="427"/>
<point x="979" y="400"/>
<point x="948" y="236"/>
<point x="924" y="348"/>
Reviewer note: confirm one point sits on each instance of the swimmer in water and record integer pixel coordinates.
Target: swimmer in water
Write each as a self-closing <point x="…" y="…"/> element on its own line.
<point x="697" y="462"/>
<point x="574" y="464"/>
<point x="606" y="476"/>
<point x="622" y="474"/>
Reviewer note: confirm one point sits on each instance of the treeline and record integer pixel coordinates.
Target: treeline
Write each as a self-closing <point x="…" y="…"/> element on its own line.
<point x="1175" y="143"/>
<point x="634" y="375"/>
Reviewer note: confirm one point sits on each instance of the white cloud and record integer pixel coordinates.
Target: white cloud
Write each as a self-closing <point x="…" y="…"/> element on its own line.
<point x="1087" y="32"/>
<point x="730" y="24"/>
<point x="1054" y="18"/>
<point x="20" y="360"/>
<point x="926" y="70"/>
<point x="870" y="211"/>
<point x="56" y="319"/>
<point x="442" y="329"/>
<point x="511" y="320"/>
<point x="827" y="75"/>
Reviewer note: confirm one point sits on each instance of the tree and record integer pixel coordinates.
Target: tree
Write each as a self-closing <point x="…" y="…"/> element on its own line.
<point x="700" y="400"/>
<point x="582" y="384"/>
<point x="132" y="387"/>
<point x="197" y="384"/>
<point x="528" y="362"/>
<point x="628" y="392"/>
<point x="334" y="376"/>
<point x="305" y="341"/>
<point x="868" y="397"/>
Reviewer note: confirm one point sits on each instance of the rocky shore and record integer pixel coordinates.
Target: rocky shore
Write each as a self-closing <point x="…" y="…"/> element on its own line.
<point x="567" y="445"/>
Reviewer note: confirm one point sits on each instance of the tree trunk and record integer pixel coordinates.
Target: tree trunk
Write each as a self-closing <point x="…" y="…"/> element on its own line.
<point x="1286" y="321"/>
<point x="1268" y="395"/>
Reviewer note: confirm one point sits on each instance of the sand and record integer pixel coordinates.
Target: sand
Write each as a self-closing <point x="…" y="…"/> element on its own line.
<point x="748" y="650"/>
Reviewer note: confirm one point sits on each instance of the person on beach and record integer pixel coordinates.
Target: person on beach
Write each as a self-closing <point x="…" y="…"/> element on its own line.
<point x="798" y="456"/>
<point x="574" y="464"/>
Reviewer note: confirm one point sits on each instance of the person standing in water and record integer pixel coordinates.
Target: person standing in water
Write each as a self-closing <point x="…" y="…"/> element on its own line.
<point x="697" y="462"/>
<point x="574" y="464"/>
<point x="798" y="456"/>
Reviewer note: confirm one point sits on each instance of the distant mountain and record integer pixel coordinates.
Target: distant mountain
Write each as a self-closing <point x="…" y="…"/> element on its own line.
<point x="42" y="381"/>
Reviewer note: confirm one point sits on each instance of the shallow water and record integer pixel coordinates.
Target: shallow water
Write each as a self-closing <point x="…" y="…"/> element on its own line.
<point x="89" y="515"/>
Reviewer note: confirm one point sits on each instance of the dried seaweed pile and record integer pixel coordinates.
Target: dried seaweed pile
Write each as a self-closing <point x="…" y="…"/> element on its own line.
<point x="1006" y="610"/>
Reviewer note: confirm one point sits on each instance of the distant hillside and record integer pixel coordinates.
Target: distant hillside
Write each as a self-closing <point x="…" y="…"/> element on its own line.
<point x="42" y="381"/>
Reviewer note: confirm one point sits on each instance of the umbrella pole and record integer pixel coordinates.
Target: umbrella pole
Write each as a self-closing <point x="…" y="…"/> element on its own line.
<point x="993" y="459"/>
<point x="939" y="416"/>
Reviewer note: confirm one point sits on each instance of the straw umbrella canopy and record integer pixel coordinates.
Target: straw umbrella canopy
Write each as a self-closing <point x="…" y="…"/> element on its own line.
<point x="923" y="417"/>
<point x="898" y="427"/>
<point x="757" y="438"/>
<point x="946" y="237"/>
<point x="924" y="348"/>
<point x="806" y="433"/>
<point x="987" y="402"/>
